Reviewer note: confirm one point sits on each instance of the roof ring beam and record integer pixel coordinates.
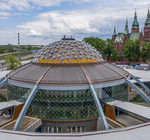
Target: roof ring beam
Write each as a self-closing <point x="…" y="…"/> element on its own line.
<point x="28" y="102"/>
<point x="97" y="102"/>
<point x="141" y="84"/>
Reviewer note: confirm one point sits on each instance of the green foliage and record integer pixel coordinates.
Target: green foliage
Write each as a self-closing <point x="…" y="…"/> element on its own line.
<point x="137" y="99"/>
<point x="106" y="48"/>
<point x="132" y="51"/>
<point x="121" y="57"/>
<point x="22" y="47"/>
<point x="99" y="44"/>
<point x="6" y="49"/>
<point x="145" y="51"/>
<point x="12" y="62"/>
<point x="2" y="98"/>
<point x="29" y="48"/>
<point x="17" y="54"/>
<point x="109" y="51"/>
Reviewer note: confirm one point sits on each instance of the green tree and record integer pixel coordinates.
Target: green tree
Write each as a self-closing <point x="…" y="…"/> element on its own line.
<point x="110" y="52"/>
<point x="2" y="98"/>
<point x="106" y="48"/>
<point x="99" y="44"/>
<point x="6" y="49"/>
<point x="120" y="57"/>
<point x="137" y="51"/>
<point x="132" y="51"/>
<point x="29" y="47"/>
<point x="12" y="62"/>
<point x="145" y="52"/>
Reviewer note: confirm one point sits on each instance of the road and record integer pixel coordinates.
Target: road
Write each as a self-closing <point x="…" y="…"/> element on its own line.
<point x="24" y="57"/>
<point x="7" y="53"/>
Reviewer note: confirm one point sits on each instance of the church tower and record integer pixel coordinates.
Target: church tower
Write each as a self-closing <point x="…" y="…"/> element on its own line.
<point x="126" y="31"/>
<point x="114" y="34"/>
<point x="135" y="24"/>
<point x="147" y="28"/>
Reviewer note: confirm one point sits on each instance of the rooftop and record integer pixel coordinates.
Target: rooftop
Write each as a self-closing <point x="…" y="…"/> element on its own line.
<point x="68" y="51"/>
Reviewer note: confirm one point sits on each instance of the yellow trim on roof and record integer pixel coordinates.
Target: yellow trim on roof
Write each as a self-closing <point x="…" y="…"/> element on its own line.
<point x="65" y="61"/>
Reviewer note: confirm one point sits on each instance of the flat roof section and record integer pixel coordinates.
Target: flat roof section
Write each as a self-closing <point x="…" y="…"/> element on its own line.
<point x="28" y="124"/>
<point x="8" y="104"/>
<point x="136" y="109"/>
<point x="143" y="76"/>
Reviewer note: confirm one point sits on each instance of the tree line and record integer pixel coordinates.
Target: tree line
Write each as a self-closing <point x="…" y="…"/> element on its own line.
<point x="10" y="48"/>
<point x="133" y="51"/>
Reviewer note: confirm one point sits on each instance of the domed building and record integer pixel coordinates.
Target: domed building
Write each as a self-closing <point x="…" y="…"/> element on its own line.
<point x="67" y="87"/>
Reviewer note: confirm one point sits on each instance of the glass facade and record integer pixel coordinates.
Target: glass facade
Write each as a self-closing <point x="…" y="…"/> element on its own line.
<point x="63" y="105"/>
<point x="17" y="93"/>
<point x="66" y="105"/>
<point x="119" y="92"/>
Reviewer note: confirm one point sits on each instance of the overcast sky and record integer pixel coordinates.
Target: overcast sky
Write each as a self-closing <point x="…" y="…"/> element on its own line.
<point x="44" y="21"/>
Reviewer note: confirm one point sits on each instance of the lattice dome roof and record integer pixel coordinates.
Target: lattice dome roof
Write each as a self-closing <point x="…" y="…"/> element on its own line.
<point x="68" y="51"/>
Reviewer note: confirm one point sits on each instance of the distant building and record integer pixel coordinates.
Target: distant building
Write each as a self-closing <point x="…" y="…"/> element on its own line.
<point x="121" y="38"/>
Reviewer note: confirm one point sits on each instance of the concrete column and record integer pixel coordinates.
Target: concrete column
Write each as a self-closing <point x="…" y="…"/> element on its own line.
<point x="76" y="129"/>
<point x="48" y="129"/>
<point x="99" y="126"/>
<point x="56" y="129"/>
<point x="52" y="129"/>
<point x="44" y="129"/>
<point x="71" y="129"/>
<point x="80" y="128"/>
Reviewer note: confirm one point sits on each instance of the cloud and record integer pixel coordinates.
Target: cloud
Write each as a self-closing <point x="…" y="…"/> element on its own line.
<point x="56" y="24"/>
<point x="46" y="3"/>
<point x="4" y="15"/>
<point x="95" y="20"/>
<point x="10" y="4"/>
<point x="26" y="4"/>
<point x="8" y="36"/>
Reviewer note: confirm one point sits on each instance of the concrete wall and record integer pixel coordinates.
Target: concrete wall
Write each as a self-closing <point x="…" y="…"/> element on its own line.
<point x="89" y="125"/>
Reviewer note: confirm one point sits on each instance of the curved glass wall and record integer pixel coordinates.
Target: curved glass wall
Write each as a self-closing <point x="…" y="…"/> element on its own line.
<point x="17" y="93"/>
<point x="66" y="105"/>
<point x="119" y="92"/>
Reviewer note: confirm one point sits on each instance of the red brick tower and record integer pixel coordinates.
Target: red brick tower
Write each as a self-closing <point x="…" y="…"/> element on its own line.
<point x="126" y="32"/>
<point x="141" y="36"/>
<point x="114" y="34"/>
<point x="147" y="28"/>
<point x="135" y="24"/>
